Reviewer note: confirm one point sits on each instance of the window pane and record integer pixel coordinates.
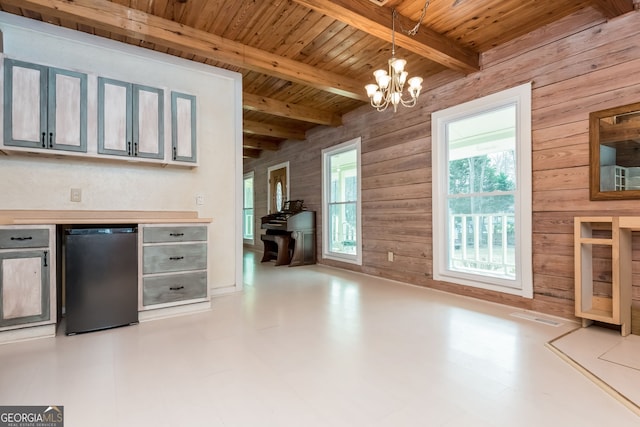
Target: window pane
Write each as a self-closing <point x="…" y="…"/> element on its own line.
<point x="481" y="236"/>
<point x="247" y="224"/>
<point x="248" y="193"/>
<point x="342" y="228"/>
<point x="247" y="217"/>
<point x="481" y="226"/>
<point x="343" y="177"/>
<point x="483" y="174"/>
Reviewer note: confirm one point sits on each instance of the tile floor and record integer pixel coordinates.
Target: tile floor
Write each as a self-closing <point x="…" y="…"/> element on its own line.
<point x="609" y="359"/>
<point x="314" y="346"/>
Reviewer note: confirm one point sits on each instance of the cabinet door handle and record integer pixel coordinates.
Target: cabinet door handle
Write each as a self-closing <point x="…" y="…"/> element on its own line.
<point x="176" y="234"/>
<point x="176" y="288"/>
<point x="175" y="155"/>
<point x="45" y="258"/>
<point x="176" y="258"/>
<point x="44" y="145"/>
<point x="21" y="238"/>
<point x="135" y="149"/>
<point x="50" y="139"/>
<point x="128" y="148"/>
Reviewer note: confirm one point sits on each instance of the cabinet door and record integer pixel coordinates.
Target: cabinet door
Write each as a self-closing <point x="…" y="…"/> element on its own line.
<point x="183" y="127"/>
<point x="114" y="117"/>
<point x="67" y="110"/>
<point x="148" y="122"/>
<point x="24" y="287"/>
<point x="25" y="114"/>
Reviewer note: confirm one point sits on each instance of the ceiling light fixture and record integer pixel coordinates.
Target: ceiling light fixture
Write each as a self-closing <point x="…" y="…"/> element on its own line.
<point x="389" y="84"/>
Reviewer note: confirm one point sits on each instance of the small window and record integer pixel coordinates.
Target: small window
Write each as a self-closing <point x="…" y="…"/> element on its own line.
<point x="247" y="211"/>
<point x="341" y="203"/>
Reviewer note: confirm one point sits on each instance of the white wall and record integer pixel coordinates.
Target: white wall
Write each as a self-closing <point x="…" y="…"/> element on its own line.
<point x="45" y="183"/>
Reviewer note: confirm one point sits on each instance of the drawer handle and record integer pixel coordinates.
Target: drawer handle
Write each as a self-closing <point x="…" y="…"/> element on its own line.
<point x="176" y="258"/>
<point x="176" y="234"/>
<point x="176" y="288"/>
<point x="21" y="238"/>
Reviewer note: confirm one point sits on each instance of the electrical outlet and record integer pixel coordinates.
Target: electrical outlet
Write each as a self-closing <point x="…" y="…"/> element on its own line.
<point x="76" y="195"/>
<point x="390" y="256"/>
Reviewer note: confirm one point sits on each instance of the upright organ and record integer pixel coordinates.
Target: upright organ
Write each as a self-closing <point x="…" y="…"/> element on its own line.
<point x="290" y="236"/>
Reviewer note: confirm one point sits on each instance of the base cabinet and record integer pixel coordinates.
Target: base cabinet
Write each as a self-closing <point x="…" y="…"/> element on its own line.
<point x="602" y="256"/>
<point x="26" y="279"/>
<point x="174" y="265"/>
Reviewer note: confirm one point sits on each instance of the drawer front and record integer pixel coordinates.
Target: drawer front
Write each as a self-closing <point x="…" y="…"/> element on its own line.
<point x="168" y="258"/>
<point x="174" y="234"/>
<point x="176" y="287"/>
<point x="15" y="238"/>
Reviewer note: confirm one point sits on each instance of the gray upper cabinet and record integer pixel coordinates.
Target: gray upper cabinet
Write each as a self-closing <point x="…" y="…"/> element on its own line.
<point x="183" y="127"/>
<point x="130" y="119"/>
<point x="45" y="108"/>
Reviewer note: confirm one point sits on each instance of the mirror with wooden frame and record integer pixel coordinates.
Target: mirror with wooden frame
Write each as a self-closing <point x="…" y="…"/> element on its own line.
<point x="614" y="153"/>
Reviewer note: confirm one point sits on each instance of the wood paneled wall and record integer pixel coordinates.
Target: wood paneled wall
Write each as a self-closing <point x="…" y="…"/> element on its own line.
<point x="577" y="65"/>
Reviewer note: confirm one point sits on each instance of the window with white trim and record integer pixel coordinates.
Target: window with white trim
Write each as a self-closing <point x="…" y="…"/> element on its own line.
<point x="248" y="222"/>
<point x="341" y="230"/>
<point x="481" y="199"/>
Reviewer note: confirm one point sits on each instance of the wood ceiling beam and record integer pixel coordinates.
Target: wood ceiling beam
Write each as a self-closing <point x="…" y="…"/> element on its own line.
<point x="260" y="144"/>
<point x="250" y="153"/>
<point x="266" y="129"/>
<point x="290" y="111"/>
<point x="124" y="21"/>
<point x="612" y="8"/>
<point x="376" y="20"/>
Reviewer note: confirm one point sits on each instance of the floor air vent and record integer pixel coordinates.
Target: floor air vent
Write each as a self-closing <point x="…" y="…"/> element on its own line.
<point x="535" y="318"/>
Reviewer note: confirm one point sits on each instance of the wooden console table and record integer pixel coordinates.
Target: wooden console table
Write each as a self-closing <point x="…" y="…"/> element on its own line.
<point x="616" y="308"/>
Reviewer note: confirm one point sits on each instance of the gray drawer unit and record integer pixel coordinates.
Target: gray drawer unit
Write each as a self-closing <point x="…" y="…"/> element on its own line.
<point x="169" y="258"/>
<point x="174" y="287"/>
<point x="175" y="234"/>
<point x="24" y="238"/>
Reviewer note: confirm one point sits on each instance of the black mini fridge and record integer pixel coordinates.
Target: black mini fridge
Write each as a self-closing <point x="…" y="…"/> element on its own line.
<point x="101" y="277"/>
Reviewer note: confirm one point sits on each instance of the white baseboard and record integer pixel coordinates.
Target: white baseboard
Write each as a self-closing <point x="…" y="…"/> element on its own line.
<point x="29" y="333"/>
<point x="178" y="310"/>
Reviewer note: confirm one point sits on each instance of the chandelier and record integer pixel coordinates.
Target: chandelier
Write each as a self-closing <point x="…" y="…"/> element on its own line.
<point x="389" y="84"/>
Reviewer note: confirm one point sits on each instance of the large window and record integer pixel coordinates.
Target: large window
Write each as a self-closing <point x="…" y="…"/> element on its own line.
<point x="247" y="211"/>
<point x="341" y="231"/>
<point x="482" y="192"/>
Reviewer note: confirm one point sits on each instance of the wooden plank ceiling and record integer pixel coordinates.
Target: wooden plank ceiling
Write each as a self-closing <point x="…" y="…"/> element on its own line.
<point x="305" y="62"/>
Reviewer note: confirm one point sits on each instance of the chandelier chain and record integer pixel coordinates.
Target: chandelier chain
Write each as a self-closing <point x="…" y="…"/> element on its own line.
<point x="414" y="30"/>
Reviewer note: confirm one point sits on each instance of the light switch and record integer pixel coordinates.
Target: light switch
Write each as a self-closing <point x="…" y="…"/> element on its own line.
<point x="199" y="200"/>
<point x="76" y="194"/>
<point x="390" y="256"/>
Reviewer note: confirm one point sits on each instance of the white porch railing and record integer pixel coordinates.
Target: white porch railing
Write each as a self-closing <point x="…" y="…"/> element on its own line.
<point x="483" y="243"/>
